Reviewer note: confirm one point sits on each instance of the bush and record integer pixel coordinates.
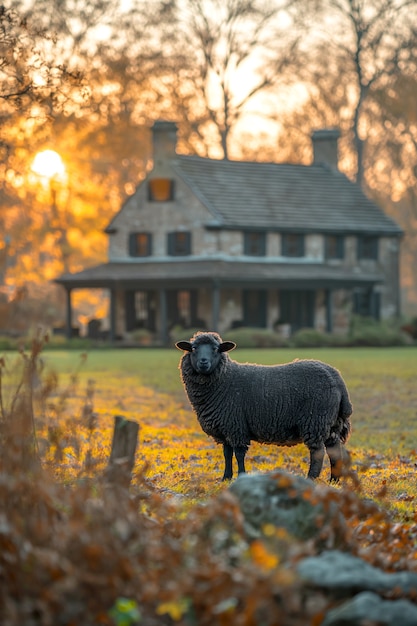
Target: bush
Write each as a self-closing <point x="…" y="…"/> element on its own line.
<point x="310" y="338"/>
<point x="366" y="331"/>
<point x="179" y="333"/>
<point x="255" y="338"/>
<point x="143" y="336"/>
<point x="410" y="327"/>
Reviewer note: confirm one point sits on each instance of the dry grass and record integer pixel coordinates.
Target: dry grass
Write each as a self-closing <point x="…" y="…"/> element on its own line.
<point x="144" y="385"/>
<point x="91" y="554"/>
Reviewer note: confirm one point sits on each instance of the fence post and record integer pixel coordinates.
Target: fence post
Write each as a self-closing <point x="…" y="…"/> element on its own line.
<point x="123" y="450"/>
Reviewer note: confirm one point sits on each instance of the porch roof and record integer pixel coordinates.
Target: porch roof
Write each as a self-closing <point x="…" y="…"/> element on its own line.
<point x="215" y="272"/>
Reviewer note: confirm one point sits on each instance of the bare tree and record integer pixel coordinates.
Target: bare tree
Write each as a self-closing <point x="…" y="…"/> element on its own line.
<point x="373" y="40"/>
<point x="225" y="53"/>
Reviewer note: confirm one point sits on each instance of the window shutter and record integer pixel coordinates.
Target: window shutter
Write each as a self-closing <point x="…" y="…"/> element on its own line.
<point x="149" y="249"/>
<point x="132" y="244"/>
<point x="262" y="245"/>
<point x="170" y="243"/>
<point x="187" y="243"/>
<point x="301" y="245"/>
<point x="340" y="247"/>
<point x="284" y="245"/>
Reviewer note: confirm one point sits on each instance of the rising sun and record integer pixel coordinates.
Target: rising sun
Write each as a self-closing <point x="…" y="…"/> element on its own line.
<point x="49" y="164"/>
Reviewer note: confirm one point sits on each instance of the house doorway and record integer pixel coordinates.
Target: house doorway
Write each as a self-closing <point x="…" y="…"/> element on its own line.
<point x="297" y="308"/>
<point x="140" y="310"/>
<point x="182" y="308"/>
<point x="254" y="308"/>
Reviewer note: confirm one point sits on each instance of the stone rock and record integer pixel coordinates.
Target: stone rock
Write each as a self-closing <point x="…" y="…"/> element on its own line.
<point x="368" y="608"/>
<point x="344" y="574"/>
<point x="290" y="502"/>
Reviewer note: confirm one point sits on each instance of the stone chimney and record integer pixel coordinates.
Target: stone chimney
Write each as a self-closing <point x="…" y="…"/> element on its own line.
<point x="325" y="147"/>
<point x="164" y="139"/>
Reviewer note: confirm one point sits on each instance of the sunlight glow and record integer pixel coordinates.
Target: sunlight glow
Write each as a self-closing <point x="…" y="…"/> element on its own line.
<point x="48" y="164"/>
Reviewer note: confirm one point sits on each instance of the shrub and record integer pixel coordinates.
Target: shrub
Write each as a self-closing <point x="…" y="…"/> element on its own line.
<point x="366" y="331"/>
<point x="143" y="336"/>
<point x="255" y="338"/>
<point x="410" y="327"/>
<point x="310" y="338"/>
<point x="178" y="333"/>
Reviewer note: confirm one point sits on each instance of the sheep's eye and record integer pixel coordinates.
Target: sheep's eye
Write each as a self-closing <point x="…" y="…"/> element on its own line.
<point x="193" y="348"/>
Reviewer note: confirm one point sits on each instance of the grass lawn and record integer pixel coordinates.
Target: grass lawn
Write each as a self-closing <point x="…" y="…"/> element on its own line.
<point x="144" y="385"/>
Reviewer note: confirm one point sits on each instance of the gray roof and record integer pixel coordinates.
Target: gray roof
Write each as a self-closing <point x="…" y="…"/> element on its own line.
<point x="154" y="274"/>
<point x="313" y="198"/>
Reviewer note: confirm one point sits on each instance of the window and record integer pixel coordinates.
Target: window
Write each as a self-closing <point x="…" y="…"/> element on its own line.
<point x="254" y="244"/>
<point x="140" y="244"/>
<point x="334" y="247"/>
<point x="368" y="247"/>
<point x="182" y="308"/>
<point x="179" y="243"/>
<point x="160" y="190"/>
<point x="292" y="245"/>
<point x="141" y="307"/>
<point x="366" y="303"/>
<point x="255" y="308"/>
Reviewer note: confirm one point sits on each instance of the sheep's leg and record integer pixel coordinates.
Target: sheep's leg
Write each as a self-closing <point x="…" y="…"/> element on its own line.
<point x="228" y="460"/>
<point x="334" y="450"/>
<point x="316" y="461"/>
<point x="240" y="453"/>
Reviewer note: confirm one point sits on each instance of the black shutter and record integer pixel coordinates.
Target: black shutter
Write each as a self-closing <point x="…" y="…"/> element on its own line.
<point x="187" y="243"/>
<point x="301" y="245"/>
<point x="340" y="247"/>
<point x="149" y="247"/>
<point x="130" y="310"/>
<point x="171" y="243"/>
<point x="284" y="245"/>
<point x="132" y="244"/>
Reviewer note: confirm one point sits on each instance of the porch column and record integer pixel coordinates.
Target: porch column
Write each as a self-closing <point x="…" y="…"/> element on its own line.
<point x="68" y="319"/>
<point x="215" y="306"/>
<point x="329" y="310"/>
<point x="163" y="320"/>
<point x="112" y="315"/>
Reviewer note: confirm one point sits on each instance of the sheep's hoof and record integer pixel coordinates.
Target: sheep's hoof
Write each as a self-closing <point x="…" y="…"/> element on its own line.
<point x="226" y="478"/>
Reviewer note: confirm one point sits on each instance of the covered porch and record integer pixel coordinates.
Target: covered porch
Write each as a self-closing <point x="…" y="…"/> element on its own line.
<point x="218" y="295"/>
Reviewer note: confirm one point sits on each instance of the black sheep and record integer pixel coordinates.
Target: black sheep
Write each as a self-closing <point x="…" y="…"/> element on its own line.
<point x="305" y="401"/>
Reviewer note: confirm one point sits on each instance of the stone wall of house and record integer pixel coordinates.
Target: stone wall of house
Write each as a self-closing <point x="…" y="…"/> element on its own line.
<point x="159" y="218"/>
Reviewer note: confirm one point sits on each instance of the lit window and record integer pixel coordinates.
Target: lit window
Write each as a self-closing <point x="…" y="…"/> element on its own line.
<point x="254" y="244"/>
<point x="292" y="245"/>
<point x="141" y="305"/>
<point x="184" y="308"/>
<point x="140" y="244"/>
<point x="160" y="190"/>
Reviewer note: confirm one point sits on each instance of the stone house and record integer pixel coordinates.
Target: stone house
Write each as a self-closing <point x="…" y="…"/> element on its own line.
<point x="218" y="244"/>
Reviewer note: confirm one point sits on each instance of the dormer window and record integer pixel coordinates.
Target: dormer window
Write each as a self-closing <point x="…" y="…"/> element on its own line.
<point x="160" y="190"/>
<point x="292" y="245"/>
<point x="334" y="247"/>
<point x="254" y="244"/>
<point x="140" y="244"/>
<point x="179" y="243"/>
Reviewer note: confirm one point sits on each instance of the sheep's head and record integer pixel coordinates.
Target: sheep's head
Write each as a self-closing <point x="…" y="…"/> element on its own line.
<point x="205" y="351"/>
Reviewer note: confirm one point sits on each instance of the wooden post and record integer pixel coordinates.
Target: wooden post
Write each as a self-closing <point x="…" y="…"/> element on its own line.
<point x="123" y="450"/>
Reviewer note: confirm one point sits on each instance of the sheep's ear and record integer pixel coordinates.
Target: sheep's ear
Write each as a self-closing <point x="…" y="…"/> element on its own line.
<point x="183" y="345"/>
<point x="226" y="346"/>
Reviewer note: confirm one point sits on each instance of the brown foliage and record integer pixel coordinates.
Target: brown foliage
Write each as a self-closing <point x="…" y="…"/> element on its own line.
<point x="69" y="555"/>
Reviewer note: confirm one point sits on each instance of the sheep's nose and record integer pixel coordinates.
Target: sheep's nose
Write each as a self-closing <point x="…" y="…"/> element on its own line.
<point x="203" y="364"/>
